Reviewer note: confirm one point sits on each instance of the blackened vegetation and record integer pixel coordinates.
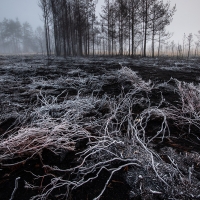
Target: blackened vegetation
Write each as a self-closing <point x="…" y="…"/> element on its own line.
<point x="103" y="128"/>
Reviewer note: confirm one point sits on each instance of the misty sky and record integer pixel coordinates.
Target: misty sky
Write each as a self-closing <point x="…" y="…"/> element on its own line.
<point x="186" y="19"/>
<point x="24" y="10"/>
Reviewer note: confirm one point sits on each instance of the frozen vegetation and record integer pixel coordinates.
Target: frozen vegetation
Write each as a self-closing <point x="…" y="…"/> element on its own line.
<point x="109" y="128"/>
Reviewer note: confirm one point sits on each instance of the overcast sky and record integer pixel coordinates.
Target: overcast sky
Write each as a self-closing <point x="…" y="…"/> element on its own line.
<point x="186" y="19"/>
<point x="24" y="10"/>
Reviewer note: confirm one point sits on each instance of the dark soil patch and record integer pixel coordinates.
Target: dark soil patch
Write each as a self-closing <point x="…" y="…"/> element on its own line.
<point x="116" y="189"/>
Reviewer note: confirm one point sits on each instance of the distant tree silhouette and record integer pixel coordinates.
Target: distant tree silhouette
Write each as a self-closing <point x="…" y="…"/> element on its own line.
<point x="18" y="38"/>
<point x="189" y="40"/>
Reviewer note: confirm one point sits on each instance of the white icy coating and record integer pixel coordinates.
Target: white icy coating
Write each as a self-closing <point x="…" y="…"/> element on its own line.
<point x="119" y="133"/>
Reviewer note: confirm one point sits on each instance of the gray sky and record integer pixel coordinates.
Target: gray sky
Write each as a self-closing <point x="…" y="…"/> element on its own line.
<point x="186" y="19"/>
<point x="24" y="10"/>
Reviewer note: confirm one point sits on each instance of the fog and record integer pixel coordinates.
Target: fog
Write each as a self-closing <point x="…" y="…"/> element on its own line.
<point x="21" y="27"/>
<point x="24" y="10"/>
<point x="185" y="20"/>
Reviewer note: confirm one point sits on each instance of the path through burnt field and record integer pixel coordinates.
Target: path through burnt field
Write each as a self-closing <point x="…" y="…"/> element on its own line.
<point x="99" y="128"/>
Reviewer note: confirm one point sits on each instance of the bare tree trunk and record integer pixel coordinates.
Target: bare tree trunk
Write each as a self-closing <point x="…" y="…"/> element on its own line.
<point x="133" y="30"/>
<point x="159" y="43"/>
<point x="153" y="41"/>
<point x="145" y="27"/>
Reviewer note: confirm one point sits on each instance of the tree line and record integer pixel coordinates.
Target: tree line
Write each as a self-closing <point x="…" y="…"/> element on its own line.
<point x="16" y="37"/>
<point x="188" y="48"/>
<point x="124" y="27"/>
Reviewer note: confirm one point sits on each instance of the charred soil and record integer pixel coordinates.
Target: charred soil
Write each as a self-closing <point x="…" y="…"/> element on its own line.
<point x="104" y="128"/>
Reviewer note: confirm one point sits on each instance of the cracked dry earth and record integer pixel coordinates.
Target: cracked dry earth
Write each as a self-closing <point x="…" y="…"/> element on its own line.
<point x="99" y="128"/>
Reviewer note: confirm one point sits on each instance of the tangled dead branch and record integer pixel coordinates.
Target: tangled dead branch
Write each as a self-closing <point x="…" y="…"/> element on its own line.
<point x="121" y="139"/>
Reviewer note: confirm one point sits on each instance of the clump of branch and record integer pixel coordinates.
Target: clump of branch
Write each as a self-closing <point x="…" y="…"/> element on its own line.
<point x="30" y="141"/>
<point x="121" y="141"/>
<point x="188" y="111"/>
<point x="126" y="73"/>
<point x="190" y="98"/>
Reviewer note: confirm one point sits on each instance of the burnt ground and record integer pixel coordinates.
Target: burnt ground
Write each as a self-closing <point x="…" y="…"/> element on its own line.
<point x="33" y="89"/>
